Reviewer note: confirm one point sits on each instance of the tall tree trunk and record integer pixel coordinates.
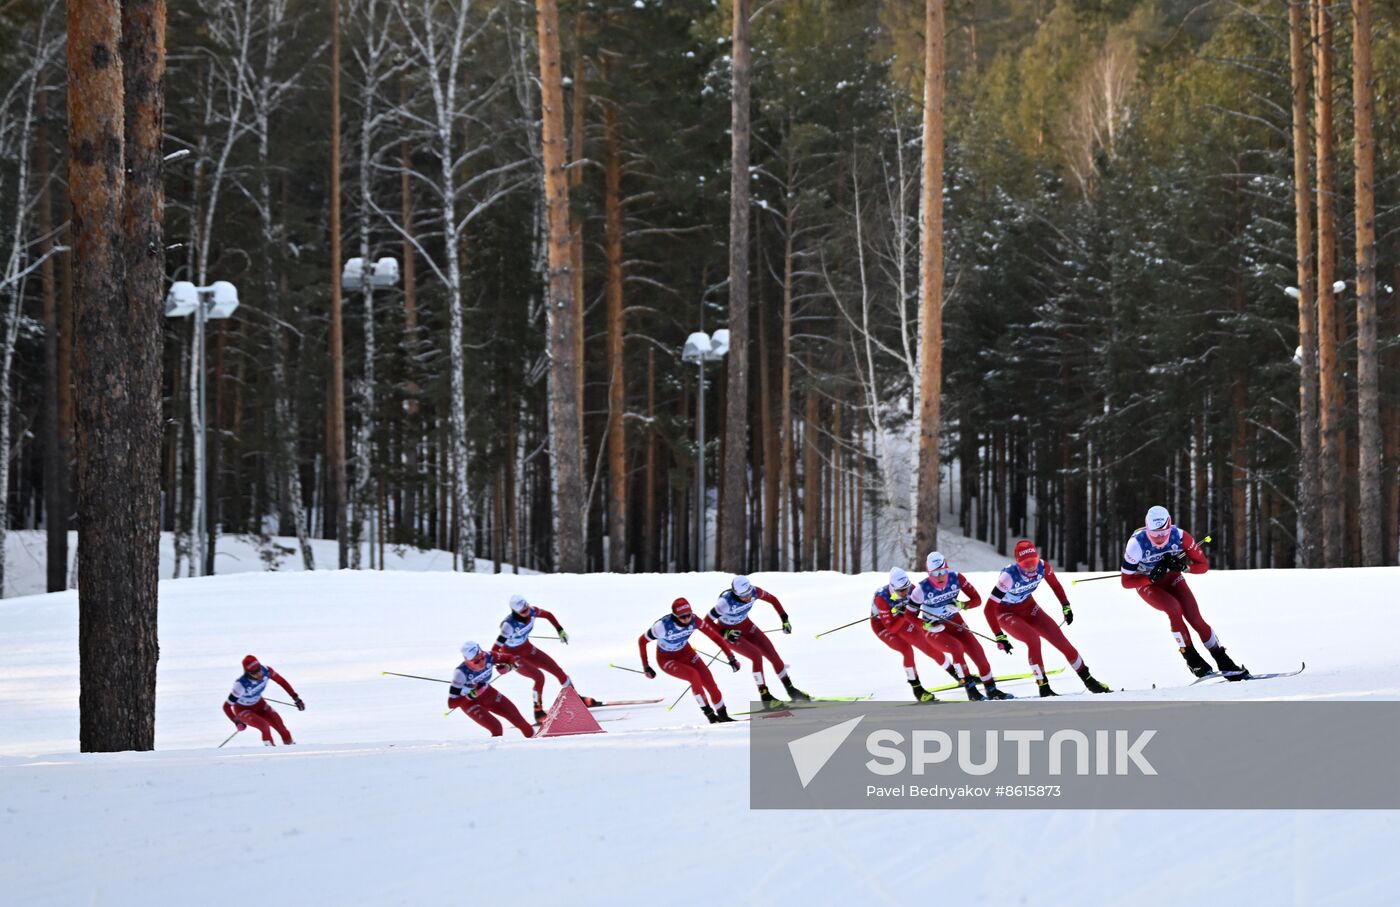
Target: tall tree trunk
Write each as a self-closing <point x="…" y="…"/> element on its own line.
<point x="649" y="527"/>
<point x="769" y="434"/>
<point x="811" y="479"/>
<point x="55" y="432"/>
<point x="1309" y="515"/>
<point x="335" y="452"/>
<point x="570" y="495"/>
<point x="1332" y="401"/>
<point x="1239" y="472"/>
<point x="617" y="385"/>
<point x="1368" y="402"/>
<point x="931" y="282"/>
<point x="114" y="179"/>
<point x="736" y="415"/>
<point x="789" y="532"/>
<point x="578" y="140"/>
<point x="413" y="435"/>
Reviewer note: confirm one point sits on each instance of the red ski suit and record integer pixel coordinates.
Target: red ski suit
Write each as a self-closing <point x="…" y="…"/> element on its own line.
<point x="1027" y="622"/>
<point x="531" y="662"/>
<point x="955" y="637"/>
<point x="1170" y="595"/>
<point x="686" y="664"/>
<point x="261" y="714"/>
<point x="484" y="708"/>
<point x="752" y="643"/>
<point x="895" y="631"/>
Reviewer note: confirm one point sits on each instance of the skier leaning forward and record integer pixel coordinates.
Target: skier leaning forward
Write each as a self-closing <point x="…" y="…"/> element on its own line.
<point x="471" y="691"/>
<point x="942" y="626"/>
<point x="1155" y="562"/>
<point x="513" y="649"/>
<point x="675" y="656"/>
<point x="730" y="616"/>
<point x="246" y="706"/>
<point x="1012" y="609"/>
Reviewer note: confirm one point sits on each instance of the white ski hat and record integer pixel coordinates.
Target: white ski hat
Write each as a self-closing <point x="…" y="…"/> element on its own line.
<point x="1158" y="519"/>
<point x="899" y="579"/>
<point x="470" y="651"/>
<point x="935" y="561"/>
<point x="741" y="586"/>
<point x="518" y="604"/>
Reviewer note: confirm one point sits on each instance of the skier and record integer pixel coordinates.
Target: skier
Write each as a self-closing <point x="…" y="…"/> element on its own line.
<point x="471" y="691"/>
<point x="675" y="656"/>
<point x="1013" y="607"/>
<point x="1155" y="562"/>
<point x="900" y="592"/>
<point x="246" y="705"/>
<point x="937" y="598"/>
<point x="730" y="616"/>
<point x="892" y="627"/>
<point x="513" y="648"/>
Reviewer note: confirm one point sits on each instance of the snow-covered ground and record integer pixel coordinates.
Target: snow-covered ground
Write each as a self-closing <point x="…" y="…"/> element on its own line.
<point x="386" y="801"/>
<point x="26" y="554"/>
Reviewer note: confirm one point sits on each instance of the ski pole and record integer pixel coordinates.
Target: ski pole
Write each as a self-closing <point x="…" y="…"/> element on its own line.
<point x="843" y="626"/>
<point x="687" y="689"/>
<point x="621" y="668"/>
<point x="279" y="701"/>
<point x="227" y="739"/>
<point x="1094" y="579"/>
<point x="944" y="620"/>
<point x="414" y="676"/>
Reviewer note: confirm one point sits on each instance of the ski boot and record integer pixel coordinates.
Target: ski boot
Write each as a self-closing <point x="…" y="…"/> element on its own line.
<point x="590" y="703"/>
<point x="1090" y="684"/>
<point x="1198" y="665"/>
<point x="919" y="691"/>
<point x="1045" y="691"/>
<point x="768" y="699"/>
<point x="993" y="692"/>
<point x="794" y="692"/>
<point x="709" y="714"/>
<point x="1228" y="669"/>
<point x="722" y="715"/>
<point x="540" y="715"/>
<point x="968" y="683"/>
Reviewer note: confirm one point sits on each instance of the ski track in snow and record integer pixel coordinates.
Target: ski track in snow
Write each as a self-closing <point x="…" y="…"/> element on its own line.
<point x="386" y="801"/>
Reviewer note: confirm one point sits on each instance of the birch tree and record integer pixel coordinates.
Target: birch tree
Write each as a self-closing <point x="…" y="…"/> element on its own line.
<point x="17" y="130"/>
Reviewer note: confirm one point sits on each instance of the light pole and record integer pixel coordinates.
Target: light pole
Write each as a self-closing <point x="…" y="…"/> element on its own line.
<point x="701" y="348"/>
<point x="218" y="300"/>
<point x="367" y="276"/>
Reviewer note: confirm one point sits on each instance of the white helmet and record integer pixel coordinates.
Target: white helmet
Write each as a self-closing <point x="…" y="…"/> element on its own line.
<point x="742" y="587"/>
<point x="1157" y="519"/>
<point x="518" y="604"/>
<point x="935" y="562"/>
<point x="470" y="651"/>
<point x="899" y="580"/>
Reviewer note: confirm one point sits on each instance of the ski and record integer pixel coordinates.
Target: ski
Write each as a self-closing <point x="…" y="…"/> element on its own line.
<point x="1217" y="675"/>
<point x="611" y="703"/>
<point x="1005" y="678"/>
<point x="816" y="702"/>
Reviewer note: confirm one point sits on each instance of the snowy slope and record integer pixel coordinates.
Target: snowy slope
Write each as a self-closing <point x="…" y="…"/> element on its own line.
<point x="385" y="800"/>
<point x="26" y="555"/>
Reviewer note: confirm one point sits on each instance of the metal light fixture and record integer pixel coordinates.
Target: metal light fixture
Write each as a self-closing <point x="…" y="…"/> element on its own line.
<point x="701" y="348"/>
<point x="218" y="300"/>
